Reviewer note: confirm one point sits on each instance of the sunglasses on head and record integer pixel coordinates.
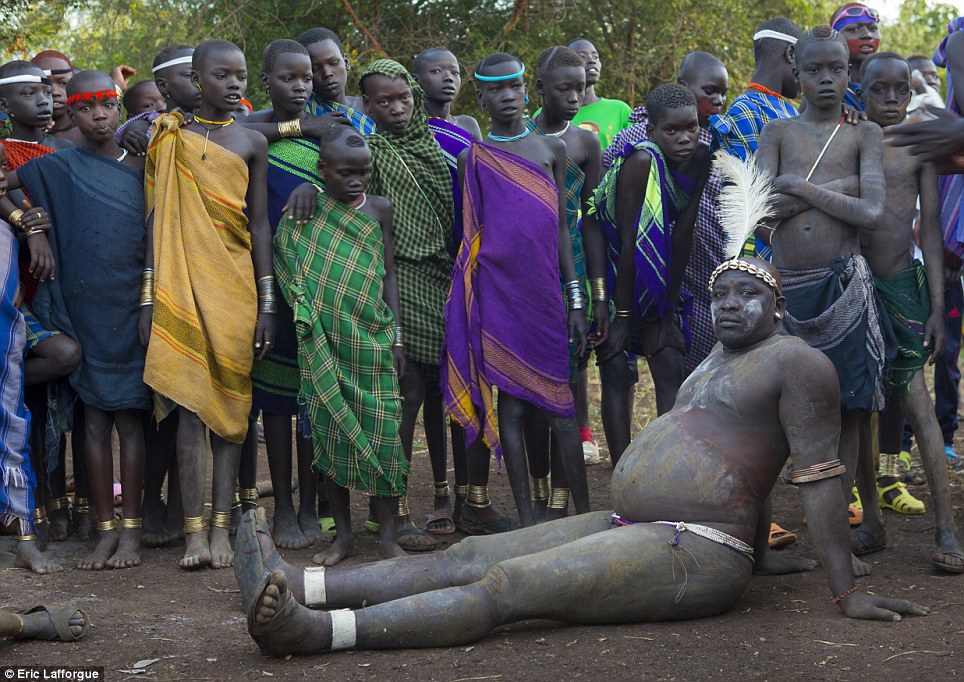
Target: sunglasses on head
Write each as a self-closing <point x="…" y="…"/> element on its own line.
<point x="858" y="11"/>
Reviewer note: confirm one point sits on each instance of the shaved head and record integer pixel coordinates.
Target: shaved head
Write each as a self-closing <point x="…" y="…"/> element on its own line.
<point x="89" y="81"/>
<point x="696" y="63"/>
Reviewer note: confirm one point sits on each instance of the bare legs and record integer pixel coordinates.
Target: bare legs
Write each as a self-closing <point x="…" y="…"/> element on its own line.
<point x="291" y="530"/>
<point x="201" y="549"/>
<point x="549" y="572"/>
<point x="115" y="549"/>
<point x="416" y="392"/>
<point x="344" y="543"/>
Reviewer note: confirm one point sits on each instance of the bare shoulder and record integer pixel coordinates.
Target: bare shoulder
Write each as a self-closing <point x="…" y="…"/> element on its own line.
<point x="554" y="144"/>
<point x="797" y="360"/>
<point x="869" y="132"/>
<point x="776" y="126"/>
<point x="379" y="203"/>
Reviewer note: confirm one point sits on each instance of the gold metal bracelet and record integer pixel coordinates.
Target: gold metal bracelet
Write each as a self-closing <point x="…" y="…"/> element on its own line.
<point x="30" y="537"/>
<point x="540" y="489"/>
<point x="106" y="526"/>
<point x="461" y="490"/>
<point x="220" y="519"/>
<point x="39" y="515"/>
<point x="248" y="494"/>
<point x="403" y="505"/>
<point x="194" y="524"/>
<point x="478" y="497"/>
<point x="290" y="128"/>
<point x="32" y="233"/>
<point x="559" y="498"/>
<point x="131" y="524"/>
<point x="16" y="218"/>
<point x="59" y="503"/>
<point x="599" y="294"/>
<point x="442" y="488"/>
<point x="81" y="505"/>
<point x="623" y="313"/>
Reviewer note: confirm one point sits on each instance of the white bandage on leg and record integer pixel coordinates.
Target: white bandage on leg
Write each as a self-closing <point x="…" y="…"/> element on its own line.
<point x="342" y="629"/>
<point x="315" y="594"/>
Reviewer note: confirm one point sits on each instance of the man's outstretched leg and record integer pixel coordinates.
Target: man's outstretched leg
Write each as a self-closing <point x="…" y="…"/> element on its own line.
<point x="560" y="583"/>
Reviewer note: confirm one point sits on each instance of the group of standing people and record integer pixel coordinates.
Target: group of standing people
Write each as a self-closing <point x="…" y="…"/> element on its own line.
<point x="338" y="265"/>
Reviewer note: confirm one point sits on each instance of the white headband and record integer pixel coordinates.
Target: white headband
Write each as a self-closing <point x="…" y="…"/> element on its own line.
<point x="173" y="62"/>
<point x="767" y="33"/>
<point x="23" y="78"/>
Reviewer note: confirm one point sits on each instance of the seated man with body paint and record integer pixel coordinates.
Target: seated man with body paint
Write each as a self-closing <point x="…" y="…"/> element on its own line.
<point x="715" y="489"/>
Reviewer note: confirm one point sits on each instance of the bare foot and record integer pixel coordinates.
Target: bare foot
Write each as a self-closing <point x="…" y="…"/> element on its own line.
<point x="286" y="532"/>
<point x="197" y="553"/>
<point x="128" y="552"/>
<point x="308" y="522"/>
<point x="860" y="568"/>
<point x="342" y="548"/>
<point x="104" y="549"/>
<point x="781" y="564"/>
<point x="29" y="556"/>
<point x="222" y="554"/>
<point x="58" y="524"/>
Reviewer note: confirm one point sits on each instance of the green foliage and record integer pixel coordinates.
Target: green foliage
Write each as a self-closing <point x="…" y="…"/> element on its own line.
<point x="641" y="42"/>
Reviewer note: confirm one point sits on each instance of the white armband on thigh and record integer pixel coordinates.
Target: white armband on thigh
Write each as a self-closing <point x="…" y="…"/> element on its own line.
<point x="342" y="629"/>
<point x="315" y="594"/>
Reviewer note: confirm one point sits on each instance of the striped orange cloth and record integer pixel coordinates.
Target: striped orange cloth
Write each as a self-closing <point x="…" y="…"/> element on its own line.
<point x="205" y="301"/>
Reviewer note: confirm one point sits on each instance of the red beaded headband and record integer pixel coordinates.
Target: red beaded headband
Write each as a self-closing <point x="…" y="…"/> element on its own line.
<point x="88" y="96"/>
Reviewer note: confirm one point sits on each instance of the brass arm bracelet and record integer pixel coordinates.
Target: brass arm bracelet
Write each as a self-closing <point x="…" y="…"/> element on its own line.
<point x="817" y="472"/>
<point x="16" y="218"/>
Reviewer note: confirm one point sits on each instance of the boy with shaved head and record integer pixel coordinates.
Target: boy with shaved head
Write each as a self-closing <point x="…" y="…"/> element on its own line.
<point x="337" y="273"/>
<point x="601" y="115"/>
<point x="647" y="204"/>
<point x="912" y="294"/>
<point x="816" y="246"/>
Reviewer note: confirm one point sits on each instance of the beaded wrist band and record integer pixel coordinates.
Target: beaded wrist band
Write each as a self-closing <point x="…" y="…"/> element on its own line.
<point x="835" y="600"/>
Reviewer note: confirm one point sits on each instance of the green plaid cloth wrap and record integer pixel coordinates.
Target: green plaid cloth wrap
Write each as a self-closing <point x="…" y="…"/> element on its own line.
<point x="574" y="182"/>
<point x="410" y="171"/>
<point x="906" y="298"/>
<point x="330" y="271"/>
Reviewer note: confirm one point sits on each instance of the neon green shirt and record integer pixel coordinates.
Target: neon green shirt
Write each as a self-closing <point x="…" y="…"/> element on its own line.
<point x="605" y="118"/>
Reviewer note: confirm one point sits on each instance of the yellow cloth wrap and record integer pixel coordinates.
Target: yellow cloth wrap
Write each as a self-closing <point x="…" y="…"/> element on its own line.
<point x="205" y="302"/>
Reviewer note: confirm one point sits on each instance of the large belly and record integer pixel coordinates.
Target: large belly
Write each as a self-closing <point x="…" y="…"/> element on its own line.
<point x="686" y="466"/>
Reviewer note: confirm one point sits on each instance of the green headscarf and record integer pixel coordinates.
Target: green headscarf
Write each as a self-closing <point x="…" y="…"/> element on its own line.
<point x="410" y="170"/>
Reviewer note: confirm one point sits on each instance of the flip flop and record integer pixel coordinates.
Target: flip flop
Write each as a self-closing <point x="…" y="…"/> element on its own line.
<point x="411" y="532"/>
<point x="327" y="525"/>
<point x="470" y="524"/>
<point x="862" y="543"/>
<point x="780" y="537"/>
<point x="437" y="516"/>
<point x="947" y="568"/>
<point x="59" y="623"/>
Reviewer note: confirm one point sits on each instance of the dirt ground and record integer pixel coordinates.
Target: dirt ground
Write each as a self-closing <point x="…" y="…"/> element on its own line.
<point x="782" y="628"/>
